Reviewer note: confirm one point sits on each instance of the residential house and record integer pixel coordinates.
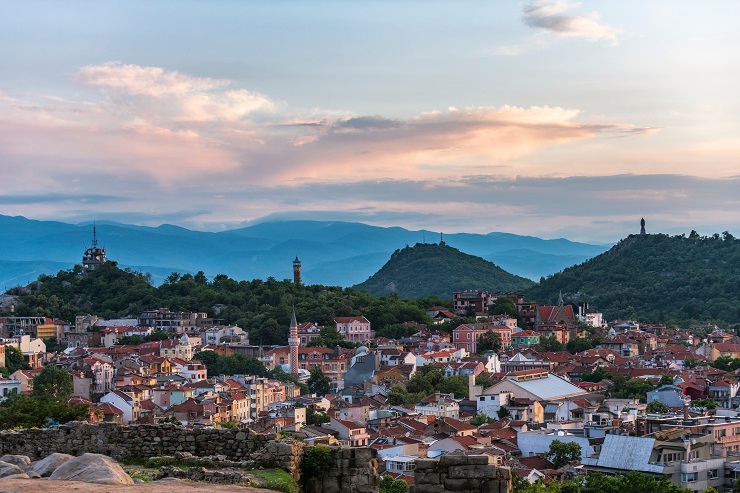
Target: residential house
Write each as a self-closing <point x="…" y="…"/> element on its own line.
<point x="476" y="302"/>
<point x="524" y="339"/>
<point x="355" y="329"/>
<point x="439" y="405"/>
<point x="127" y="403"/>
<point x="466" y="336"/>
<point x="553" y="393"/>
<point x="354" y="434"/>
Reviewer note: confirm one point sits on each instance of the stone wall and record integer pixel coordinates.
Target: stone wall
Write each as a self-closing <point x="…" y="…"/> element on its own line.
<point x="460" y="474"/>
<point x="250" y="449"/>
<point x="353" y="470"/>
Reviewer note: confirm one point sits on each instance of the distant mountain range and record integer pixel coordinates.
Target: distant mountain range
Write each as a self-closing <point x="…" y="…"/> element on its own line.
<point x="657" y="278"/>
<point x="332" y="253"/>
<point x="431" y="268"/>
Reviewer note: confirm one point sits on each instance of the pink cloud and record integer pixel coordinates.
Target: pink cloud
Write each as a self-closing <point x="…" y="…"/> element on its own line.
<point x="147" y="121"/>
<point x="550" y="16"/>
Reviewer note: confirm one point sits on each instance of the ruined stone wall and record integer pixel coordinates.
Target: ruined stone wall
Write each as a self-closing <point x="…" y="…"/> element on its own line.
<point x="353" y="470"/>
<point x="250" y="449"/>
<point x="460" y="474"/>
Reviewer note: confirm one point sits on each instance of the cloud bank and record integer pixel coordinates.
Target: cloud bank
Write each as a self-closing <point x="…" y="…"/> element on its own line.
<point x="145" y="144"/>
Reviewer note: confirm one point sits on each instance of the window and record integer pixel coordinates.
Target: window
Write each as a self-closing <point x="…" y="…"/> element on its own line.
<point x="689" y="477"/>
<point x="713" y="473"/>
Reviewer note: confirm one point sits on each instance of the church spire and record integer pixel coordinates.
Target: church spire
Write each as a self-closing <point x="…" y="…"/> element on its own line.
<point x="560" y="299"/>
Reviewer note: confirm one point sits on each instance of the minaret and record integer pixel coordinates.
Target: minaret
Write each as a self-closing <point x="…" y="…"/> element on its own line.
<point x="296" y="271"/>
<point x="293" y="343"/>
<point x="642" y="226"/>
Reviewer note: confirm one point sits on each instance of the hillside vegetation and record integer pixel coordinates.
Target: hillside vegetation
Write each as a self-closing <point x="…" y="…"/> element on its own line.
<point x="657" y="278"/>
<point x="437" y="269"/>
<point x="261" y="307"/>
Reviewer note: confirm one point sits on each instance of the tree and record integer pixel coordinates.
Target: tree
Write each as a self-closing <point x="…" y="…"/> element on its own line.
<point x="489" y="341"/>
<point x="316" y="418"/>
<point x="25" y="411"/>
<point x="550" y="344"/>
<point x="399" y="395"/>
<point x="578" y="345"/>
<point x="708" y="404"/>
<point x="665" y="379"/>
<point x="329" y="337"/>
<point x="14" y="360"/>
<point x="561" y="453"/>
<point x="691" y="362"/>
<point x="54" y="382"/>
<point x="483" y="379"/>
<point x="597" y="375"/>
<point x="53" y="345"/>
<point x="503" y="412"/>
<point x="481" y="419"/>
<point x="503" y="306"/>
<point x="318" y="383"/>
<point x="656" y="407"/>
<point x="390" y="485"/>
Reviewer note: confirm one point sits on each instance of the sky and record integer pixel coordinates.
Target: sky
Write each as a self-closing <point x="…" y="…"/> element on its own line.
<point x="545" y="118"/>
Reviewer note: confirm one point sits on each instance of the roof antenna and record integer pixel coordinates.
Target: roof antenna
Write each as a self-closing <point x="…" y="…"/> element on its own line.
<point x="95" y="235"/>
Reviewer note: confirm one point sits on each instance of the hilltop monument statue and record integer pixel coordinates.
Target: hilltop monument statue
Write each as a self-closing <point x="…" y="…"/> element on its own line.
<point x="642" y="226"/>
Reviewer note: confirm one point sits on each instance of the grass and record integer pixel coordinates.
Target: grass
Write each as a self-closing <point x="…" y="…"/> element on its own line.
<point x="269" y="479"/>
<point x="139" y="472"/>
<point x="274" y="479"/>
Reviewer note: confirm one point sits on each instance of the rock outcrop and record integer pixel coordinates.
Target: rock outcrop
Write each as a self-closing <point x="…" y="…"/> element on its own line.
<point x="92" y="468"/>
<point x="8" y="469"/>
<point x="46" y="466"/>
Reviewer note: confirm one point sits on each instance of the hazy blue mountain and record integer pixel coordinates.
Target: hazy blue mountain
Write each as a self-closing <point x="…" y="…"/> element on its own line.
<point x="333" y="253"/>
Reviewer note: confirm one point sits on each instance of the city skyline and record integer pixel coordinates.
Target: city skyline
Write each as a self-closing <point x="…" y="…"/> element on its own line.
<point x="547" y="118"/>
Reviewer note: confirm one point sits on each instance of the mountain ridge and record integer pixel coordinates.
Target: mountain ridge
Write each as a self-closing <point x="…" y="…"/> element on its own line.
<point x="266" y="249"/>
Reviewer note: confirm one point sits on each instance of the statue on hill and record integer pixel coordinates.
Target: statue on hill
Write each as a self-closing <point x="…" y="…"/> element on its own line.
<point x="642" y="226"/>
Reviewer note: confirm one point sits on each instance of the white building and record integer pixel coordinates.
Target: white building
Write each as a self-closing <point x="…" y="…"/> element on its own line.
<point x="9" y="386"/>
<point x="439" y="405"/>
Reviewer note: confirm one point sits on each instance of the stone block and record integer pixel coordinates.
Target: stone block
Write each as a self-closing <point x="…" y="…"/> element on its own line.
<point x="426" y="477"/>
<point x="365" y="453"/>
<point x="429" y="488"/>
<point x="477" y="460"/>
<point x="492" y="486"/>
<point x="471" y="472"/>
<point x="426" y="464"/>
<point x="453" y="460"/>
<point x="461" y="484"/>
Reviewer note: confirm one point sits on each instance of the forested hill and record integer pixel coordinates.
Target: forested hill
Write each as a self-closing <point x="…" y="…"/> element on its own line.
<point x="656" y="278"/>
<point x="437" y="269"/>
<point x="261" y="307"/>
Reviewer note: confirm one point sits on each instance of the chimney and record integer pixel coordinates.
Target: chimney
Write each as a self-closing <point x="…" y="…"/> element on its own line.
<point x="685" y="410"/>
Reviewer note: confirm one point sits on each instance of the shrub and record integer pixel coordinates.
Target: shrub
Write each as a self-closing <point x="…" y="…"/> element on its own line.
<point x="316" y="461"/>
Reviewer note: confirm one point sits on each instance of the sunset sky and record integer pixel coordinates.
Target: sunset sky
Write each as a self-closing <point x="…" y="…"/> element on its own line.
<point x="547" y="118"/>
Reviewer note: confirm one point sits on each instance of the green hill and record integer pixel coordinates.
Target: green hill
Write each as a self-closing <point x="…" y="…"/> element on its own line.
<point x="656" y="278"/>
<point x="434" y="269"/>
